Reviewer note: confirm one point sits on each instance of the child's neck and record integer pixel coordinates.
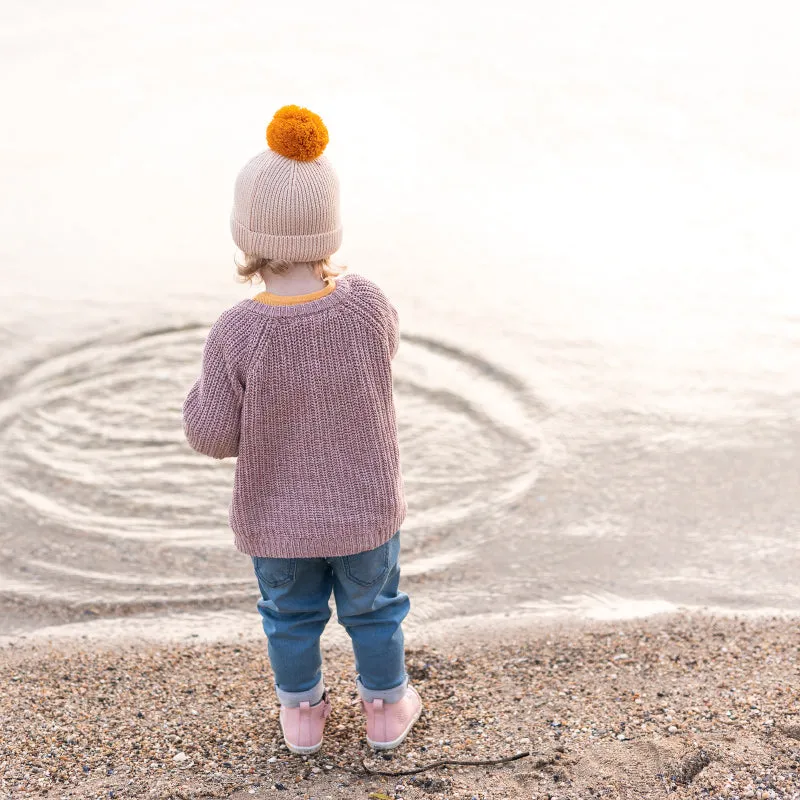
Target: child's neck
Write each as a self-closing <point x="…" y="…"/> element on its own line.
<point x="300" y="279"/>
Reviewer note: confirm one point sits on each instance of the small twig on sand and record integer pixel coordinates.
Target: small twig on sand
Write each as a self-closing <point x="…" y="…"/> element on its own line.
<point x="442" y="763"/>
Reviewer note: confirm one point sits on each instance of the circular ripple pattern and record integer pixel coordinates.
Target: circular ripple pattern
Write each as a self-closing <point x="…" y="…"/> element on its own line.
<point x="99" y="489"/>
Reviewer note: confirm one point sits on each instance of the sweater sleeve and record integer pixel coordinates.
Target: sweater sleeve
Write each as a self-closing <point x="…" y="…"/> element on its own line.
<point x="212" y="409"/>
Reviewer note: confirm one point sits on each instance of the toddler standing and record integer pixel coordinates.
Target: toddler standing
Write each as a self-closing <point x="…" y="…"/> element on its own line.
<point x="297" y="383"/>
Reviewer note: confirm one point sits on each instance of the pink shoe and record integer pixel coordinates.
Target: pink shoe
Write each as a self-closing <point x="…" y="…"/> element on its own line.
<point x="303" y="726"/>
<point x="389" y="723"/>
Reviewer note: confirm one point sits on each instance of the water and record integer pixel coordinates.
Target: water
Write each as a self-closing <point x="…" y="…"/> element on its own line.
<point x="585" y="216"/>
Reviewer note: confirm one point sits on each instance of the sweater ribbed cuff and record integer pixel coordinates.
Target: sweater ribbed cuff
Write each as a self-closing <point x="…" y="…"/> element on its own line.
<point x="274" y="546"/>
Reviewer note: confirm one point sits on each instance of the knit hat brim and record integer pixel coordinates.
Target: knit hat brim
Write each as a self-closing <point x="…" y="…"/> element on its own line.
<point x="298" y="248"/>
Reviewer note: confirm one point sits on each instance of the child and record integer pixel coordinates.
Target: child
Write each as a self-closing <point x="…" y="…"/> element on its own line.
<point x="297" y="383"/>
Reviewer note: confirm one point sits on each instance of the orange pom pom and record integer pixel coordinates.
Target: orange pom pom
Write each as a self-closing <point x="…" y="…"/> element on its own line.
<point x="297" y="133"/>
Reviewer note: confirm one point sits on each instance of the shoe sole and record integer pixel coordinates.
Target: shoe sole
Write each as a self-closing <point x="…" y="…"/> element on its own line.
<point x="302" y="751"/>
<point x="400" y="739"/>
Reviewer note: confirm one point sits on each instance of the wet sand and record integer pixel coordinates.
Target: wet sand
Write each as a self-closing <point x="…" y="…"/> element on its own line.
<point x="685" y="705"/>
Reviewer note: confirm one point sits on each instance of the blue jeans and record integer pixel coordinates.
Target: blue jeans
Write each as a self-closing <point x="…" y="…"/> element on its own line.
<point x="294" y="609"/>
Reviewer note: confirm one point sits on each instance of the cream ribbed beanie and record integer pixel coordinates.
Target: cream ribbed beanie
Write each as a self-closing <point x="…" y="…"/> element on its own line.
<point x="286" y="199"/>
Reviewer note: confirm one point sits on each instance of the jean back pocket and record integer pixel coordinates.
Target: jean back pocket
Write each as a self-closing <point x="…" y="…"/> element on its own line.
<point x="369" y="567"/>
<point x="275" y="572"/>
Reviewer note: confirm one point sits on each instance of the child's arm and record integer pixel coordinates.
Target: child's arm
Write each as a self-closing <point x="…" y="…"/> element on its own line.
<point x="212" y="410"/>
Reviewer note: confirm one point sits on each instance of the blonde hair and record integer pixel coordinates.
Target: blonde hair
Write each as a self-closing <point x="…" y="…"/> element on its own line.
<point x="253" y="268"/>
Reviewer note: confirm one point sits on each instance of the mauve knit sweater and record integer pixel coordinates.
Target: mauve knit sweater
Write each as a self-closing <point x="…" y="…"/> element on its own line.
<point x="302" y="394"/>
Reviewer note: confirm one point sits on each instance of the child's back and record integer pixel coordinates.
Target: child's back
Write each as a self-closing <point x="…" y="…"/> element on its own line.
<point x="302" y="393"/>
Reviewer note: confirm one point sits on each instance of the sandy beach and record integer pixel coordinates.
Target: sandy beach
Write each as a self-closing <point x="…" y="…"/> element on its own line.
<point x="685" y="706"/>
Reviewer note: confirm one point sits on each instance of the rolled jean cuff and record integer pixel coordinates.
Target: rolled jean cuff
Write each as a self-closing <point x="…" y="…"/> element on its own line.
<point x="293" y="699"/>
<point x="393" y="695"/>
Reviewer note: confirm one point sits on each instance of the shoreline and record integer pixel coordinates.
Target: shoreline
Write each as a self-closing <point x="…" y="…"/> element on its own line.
<point x="428" y="623"/>
<point x="694" y="704"/>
